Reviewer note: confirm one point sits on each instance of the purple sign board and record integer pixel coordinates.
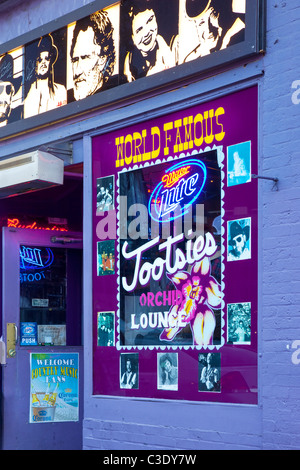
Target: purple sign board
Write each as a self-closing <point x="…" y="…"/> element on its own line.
<point x="175" y="255"/>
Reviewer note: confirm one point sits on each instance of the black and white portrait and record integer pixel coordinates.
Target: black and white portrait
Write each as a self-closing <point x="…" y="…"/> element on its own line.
<point x="207" y="26"/>
<point x="11" y="108"/>
<point x="167" y="371"/>
<point x="239" y="323"/>
<point x="148" y="33"/>
<point x="129" y="371"/>
<point x="93" y="51"/>
<point x="239" y="239"/>
<point x="105" y="193"/>
<point x="45" y="74"/>
<point x="106" y="328"/>
<point x="209" y="372"/>
<point x="239" y="163"/>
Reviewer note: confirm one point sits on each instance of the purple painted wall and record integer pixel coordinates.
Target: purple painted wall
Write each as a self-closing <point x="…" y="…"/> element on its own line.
<point x="236" y="124"/>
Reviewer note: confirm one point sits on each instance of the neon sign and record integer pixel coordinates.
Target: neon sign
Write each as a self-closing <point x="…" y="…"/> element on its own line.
<point x="35" y="258"/>
<point x="179" y="187"/>
<point x="173" y="262"/>
<point x="33" y="226"/>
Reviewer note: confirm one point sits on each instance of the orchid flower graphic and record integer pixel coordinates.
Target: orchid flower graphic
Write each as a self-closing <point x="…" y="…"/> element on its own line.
<point x="200" y="294"/>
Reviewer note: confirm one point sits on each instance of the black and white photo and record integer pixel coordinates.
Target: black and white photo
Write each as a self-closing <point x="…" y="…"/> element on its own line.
<point x="129" y="371"/>
<point x="209" y="372"/>
<point x="147" y="40"/>
<point x="105" y="194"/>
<point x="11" y="108"/>
<point x="106" y="328"/>
<point x="93" y="56"/>
<point x="45" y="74"/>
<point x="239" y="323"/>
<point x="208" y="26"/>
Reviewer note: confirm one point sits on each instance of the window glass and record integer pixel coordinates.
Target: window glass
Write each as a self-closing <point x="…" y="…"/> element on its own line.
<point x="43" y="288"/>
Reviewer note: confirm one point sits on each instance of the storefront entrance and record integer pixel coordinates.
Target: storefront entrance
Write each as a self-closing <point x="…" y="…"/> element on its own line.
<point x="42" y="378"/>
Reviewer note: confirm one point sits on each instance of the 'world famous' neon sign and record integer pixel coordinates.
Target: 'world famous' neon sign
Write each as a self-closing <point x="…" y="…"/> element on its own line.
<point x="179" y="187"/>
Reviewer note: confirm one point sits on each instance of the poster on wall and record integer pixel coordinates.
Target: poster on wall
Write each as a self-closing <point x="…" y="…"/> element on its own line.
<point x="54" y="395"/>
<point x="175" y="255"/>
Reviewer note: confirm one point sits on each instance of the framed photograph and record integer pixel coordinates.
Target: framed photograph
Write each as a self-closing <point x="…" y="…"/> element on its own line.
<point x="239" y="239"/>
<point x="209" y="372"/>
<point x="167" y="371"/>
<point x="149" y="44"/>
<point x="129" y="371"/>
<point x="105" y="193"/>
<point x="239" y="164"/>
<point x="239" y="323"/>
<point x="93" y="54"/>
<point x="106" y="329"/>
<point x="45" y="74"/>
<point x="105" y="257"/>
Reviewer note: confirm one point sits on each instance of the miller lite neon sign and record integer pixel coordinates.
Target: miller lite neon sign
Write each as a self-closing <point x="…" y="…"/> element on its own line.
<point x="179" y="187"/>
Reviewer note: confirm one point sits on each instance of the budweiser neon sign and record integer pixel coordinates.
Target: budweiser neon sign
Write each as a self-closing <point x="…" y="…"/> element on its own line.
<point x="34" y="226"/>
<point x="179" y="187"/>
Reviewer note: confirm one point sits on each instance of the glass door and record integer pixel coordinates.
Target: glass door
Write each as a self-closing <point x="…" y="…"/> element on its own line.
<point x="41" y="323"/>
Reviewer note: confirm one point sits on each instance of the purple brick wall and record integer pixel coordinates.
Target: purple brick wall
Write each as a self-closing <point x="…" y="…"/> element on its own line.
<point x="280" y="236"/>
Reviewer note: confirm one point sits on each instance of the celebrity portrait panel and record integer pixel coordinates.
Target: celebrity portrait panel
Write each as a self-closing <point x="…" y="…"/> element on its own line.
<point x="207" y="26"/>
<point x="93" y="49"/>
<point x="239" y="239"/>
<point x="11" y="87"/>
<point x="209" y="372"/>
<point x="239" y="323"/>
<point x="239" y="163"/>
<point x="45" y="73"/>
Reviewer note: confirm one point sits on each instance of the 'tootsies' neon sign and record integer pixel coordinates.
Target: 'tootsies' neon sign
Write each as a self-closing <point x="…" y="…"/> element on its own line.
<point x="174" y="260"/>
<point x="179" y="187"/>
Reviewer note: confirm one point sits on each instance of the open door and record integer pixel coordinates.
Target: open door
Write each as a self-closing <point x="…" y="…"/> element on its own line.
<point x="41" y="325"/>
